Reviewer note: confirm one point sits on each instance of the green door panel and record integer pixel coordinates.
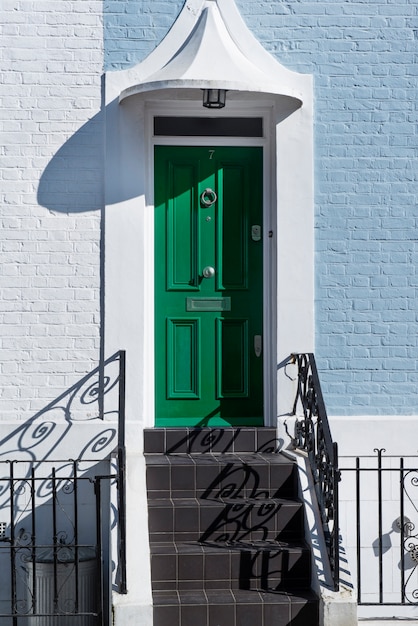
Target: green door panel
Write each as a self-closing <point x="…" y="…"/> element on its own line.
<point x="208" y="372"/>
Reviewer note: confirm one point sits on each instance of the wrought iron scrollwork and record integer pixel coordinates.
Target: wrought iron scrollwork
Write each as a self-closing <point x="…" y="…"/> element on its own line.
<point x="313" y="435"/>
<point x="409" y="537"/>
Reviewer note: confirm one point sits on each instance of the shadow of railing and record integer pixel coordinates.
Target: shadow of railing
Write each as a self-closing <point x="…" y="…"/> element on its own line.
<point x="42" y="436"/>
<point x="62" y="493"/>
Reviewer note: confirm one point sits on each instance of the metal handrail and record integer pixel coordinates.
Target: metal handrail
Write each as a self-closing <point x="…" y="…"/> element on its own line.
<point x="313" y="435"/>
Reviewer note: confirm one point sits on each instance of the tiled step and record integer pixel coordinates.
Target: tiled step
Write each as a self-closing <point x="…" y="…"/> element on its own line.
<point x="267" y="566"/>
<point x="235" y="608"/>
<point x="226" y="530"/>
<point x="206" y="440"/>
<point x="224" y="519"/>
<point x="238" y="475"/>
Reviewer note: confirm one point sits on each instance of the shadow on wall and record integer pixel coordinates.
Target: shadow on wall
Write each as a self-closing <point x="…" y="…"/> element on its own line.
<point x="57" y="477"/>
<point x="50" y="433"/>
<point x="73" y="180"/>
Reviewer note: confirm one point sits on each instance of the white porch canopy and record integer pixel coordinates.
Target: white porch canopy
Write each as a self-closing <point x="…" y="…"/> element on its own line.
<point x="210" y="47"/>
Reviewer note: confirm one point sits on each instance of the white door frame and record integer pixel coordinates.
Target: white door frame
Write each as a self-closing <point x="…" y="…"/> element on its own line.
<point x="129" y="235"/>
<point x="155" y="109"/>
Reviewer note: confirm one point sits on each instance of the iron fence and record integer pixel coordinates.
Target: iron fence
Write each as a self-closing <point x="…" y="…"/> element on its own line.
<point x="380" y="511"/>
<point x="57" y="517"/>
<point x="51" y="546"/>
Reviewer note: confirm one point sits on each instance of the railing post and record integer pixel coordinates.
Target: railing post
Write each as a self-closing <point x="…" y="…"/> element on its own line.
<point x="380" y="520"/>
<point x="122" y="473"/>
<point x="336" y="524"/>
<point x="358" y="526"/>
<point x="402" y="529"/>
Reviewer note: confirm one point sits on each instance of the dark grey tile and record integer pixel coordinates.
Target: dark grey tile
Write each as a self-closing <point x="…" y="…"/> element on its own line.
<point x="207" y="478"/>
<point x="223" y="440"/>
<point x="222" y="615"/>
<point x="165" y="598"/>
<point x="177" y="440"/>
<point x="165" y="585"/>
<point x="207" y="517"/>
<point x="158" y="495"/>
<point x="282" y="480"/>
<point x="192" y="615"/>
<point x="166" y="615"/>
<point x="194" y="597"/>
<point x="158" y="477"/>
<point x="154" y="440"/>
<point x="267" y="441"/>
<point x="245" y="440"/>
<point x="304" y="610"/>
<point x="249" y="614"/>
<point x="220" y="596"/>
<point x="217" y="566"/>
<point x="189" y="585"/>
<point x="200" y="440"/>
<point x="190" y="567"/>
<point x="276" y="610"/>
<point x="260" y="481"/>
<point x="160" y="519"/>
<point x="163" y="567"/>
<point x="183" y="478"/>
<point x="240" y="570"/>
<point x="186" y="519"/>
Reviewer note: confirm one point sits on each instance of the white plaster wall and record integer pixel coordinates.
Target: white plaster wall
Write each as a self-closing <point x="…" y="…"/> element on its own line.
<point x="362" y="436"/>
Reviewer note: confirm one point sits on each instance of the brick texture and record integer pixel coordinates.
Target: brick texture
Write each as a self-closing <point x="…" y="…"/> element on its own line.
<point x="363" y="58"/>
<point x="51" y="60"/>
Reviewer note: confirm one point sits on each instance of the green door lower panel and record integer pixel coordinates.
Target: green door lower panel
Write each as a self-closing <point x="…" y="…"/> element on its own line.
<point x="208" y="286"/>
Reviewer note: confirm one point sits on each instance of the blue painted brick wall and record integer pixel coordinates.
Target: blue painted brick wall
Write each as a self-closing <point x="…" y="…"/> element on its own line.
<point x="363" y="55"/>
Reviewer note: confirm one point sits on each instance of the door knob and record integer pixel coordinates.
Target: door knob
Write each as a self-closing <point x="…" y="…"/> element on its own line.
<point x="209" y="271"/>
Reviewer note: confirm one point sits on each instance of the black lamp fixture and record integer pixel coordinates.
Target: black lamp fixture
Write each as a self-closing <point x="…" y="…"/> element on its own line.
<point x="214" y="98"/>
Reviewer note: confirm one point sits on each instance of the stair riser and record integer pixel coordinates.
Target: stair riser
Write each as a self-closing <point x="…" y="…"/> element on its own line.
<point x="268" y="571"/>
<point x="216" y="479"/>
<point x="214" y="522"/>
<point x="208" y="440"/>
<point x="237" y="614"/>
<point x="226" y="530"/>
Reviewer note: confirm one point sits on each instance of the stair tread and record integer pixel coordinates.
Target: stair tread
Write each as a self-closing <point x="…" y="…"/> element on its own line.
<point x="226" y="530"/>
<point x="257" y="458"/>
<point x="201" y="502"/>
<point x="174" y="547"/>
<point x="207" y="439"/>
<point x="224" y="596"/>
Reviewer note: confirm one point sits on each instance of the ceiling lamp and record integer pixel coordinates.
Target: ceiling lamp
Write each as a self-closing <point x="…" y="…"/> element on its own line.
<point x="214" y="98"/>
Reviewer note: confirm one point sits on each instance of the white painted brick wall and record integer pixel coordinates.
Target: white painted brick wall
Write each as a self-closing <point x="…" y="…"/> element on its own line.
<point x="51" y="59"/>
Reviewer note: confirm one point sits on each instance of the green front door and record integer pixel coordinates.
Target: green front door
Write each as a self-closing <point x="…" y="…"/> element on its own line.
<point x="208" y="286"/>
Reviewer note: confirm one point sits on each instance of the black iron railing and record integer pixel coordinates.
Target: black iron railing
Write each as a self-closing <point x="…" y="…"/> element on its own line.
<point x="313" y="435"/>
<point x="383" y="503"/>
<point x="56" y="515"/>
<point x="51" y="558"/>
